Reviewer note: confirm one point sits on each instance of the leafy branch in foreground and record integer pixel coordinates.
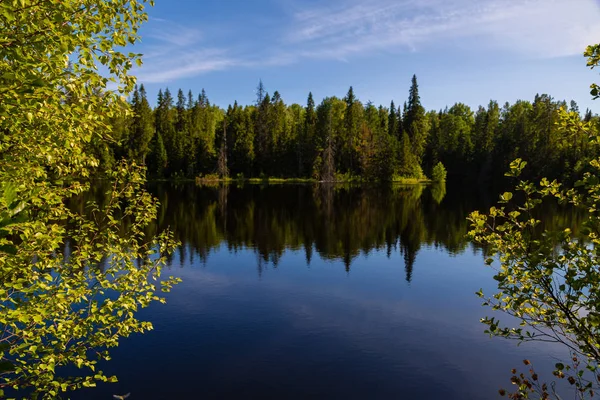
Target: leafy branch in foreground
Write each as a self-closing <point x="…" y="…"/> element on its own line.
<point x="548" y="280"/>
<point x="69" y="308"/>
<point x="70" y="283"/>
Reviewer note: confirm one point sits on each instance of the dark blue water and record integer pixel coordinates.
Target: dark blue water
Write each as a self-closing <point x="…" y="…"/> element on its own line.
<point x="295" y="292"/>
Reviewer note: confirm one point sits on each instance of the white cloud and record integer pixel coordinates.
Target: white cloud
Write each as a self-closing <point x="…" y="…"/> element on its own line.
<point x="176" y="51"/>
<point x="343" y="29"/>
<point x="545" y="28"/>
<point x="185" y="63"/>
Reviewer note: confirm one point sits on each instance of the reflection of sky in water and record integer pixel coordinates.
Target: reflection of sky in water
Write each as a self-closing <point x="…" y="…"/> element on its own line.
<point x="298" y="331"/>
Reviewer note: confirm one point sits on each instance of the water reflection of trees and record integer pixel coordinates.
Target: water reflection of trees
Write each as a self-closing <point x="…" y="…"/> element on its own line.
<point x="337" y="222"/>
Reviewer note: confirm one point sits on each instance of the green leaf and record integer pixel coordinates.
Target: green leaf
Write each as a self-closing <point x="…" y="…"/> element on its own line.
<point x="507" y="196"/>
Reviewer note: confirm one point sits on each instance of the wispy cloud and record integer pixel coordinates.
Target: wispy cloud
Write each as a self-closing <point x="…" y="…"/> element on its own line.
<point x="343" y="29"/>
<point x="545" y="28"/>
<point x="176" y="51"/>
<point x="185" y="64"/>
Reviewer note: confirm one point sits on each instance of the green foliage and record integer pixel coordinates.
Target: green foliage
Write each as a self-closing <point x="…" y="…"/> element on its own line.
<point x="415" y="122"/>
<point x="142" y="129"/>
<point x="439" y="173"/>
<point x="291" y="141"/>
<point x="70" y="284"/>
<point x="592" y="53"/>
<point x="408" y="164"/>
<point x="158" y="156"/>
<point x="548" y="279"/>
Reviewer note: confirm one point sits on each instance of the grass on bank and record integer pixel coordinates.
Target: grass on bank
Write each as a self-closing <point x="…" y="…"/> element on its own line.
<point x="214" y="179"/>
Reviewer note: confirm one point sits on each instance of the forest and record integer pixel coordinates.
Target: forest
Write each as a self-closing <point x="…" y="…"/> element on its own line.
<point x="344" y="139"/>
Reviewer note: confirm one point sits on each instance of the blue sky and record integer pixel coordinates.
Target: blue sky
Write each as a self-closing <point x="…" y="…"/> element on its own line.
<point x="460" y="50"/>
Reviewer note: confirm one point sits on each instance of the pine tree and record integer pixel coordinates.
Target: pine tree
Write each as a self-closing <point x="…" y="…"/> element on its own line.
<point x="260" y="93"/>
<point x="400" y="116"/>
<point x="263" y="136"/>
<point x="415" y="121"/>
<point x="222" y="168"/>
<point x="157" y="159"/>
<point x="413" y="107"/>
<point x="192" y="137"/>
<point x="240" y="140"/>
<point x="328" y="170"/>
<point x="203" y="123"/>
<point x="176" y="144"/>
<point x="142" y="127"/>
<point x="203" y="99"/>
<point x="165" y="124"/>
<point x="310" y="126"/>
<point x="351" y="134"/>
<point x="393" y="121"/>
<point x="279" y="163"/>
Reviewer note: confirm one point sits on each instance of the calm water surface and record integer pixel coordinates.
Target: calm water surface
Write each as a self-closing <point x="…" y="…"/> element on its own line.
<point x="295" y="291"/>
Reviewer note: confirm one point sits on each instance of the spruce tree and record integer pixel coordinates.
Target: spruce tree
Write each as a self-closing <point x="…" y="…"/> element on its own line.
<point x="175" y="148"/>
<point x="392" y="121"/>
<point x="400" y="116"/>
<point x="142" y="127"/>
<point x="351" y="134"/>
<point x="260" y="93"/>
<point x="262" y="138"/>
<point x="415" y="121"/>
<point x="310" y="125"/>
<point x="157" y="159"/>
<point x="222" y="167"/>
<point x="165" y="124"/>
<point x="203" y="99"/>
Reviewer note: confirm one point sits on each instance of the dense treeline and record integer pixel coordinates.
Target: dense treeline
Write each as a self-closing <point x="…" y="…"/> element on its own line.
<point x="341" y="139"/>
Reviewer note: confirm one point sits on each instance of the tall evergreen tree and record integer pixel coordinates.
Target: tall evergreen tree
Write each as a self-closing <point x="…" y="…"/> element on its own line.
<point x="205" y="119"/>
<point x="240" y="139"/>
<point x="415" y="121"/>
<point x="191" y="138"/>
<point x="279" y="163"/>
<point x="165" y="124"/>
<point x="400" y="116"/>
<point x="203" y="99"/>
<point x="260" y="93"/>
<point x="142" y="127"/>
<point x="324" y="163"/>
<point x="177" y="145"/>
<point x="222" y="167"/>
<point x="309" y="144"/>
<point x="393" y="120"/>
<point x="351" y="134"/>
<point x="157" y="159"/>
<point x="263" y="135"/>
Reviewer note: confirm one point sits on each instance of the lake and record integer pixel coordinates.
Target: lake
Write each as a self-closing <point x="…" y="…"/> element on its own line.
<point x="313" y="291"/>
